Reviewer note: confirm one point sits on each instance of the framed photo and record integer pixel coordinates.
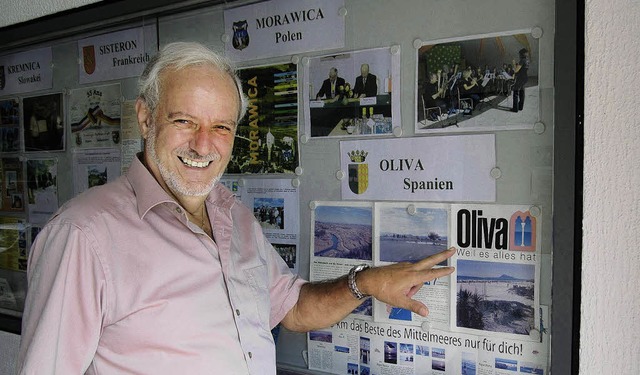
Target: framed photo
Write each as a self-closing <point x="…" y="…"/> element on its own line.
<point x="478" y="83"/>
<point x="95" y="116"/>
<point x="353" y="93"/>
<point x="9" y="125"/>
<point x="43" y="123"/>
<point x="267" y="137"/>
<point x="13" y="182"/>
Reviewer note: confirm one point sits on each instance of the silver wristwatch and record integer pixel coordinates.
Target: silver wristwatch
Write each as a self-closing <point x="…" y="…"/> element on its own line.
<point x="351" y="281"/>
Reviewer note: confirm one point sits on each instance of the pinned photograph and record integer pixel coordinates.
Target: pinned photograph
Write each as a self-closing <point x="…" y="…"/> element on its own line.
<point x="269" y="212"/>
<point x="324" y="336"/>
<point x="13" y="254"/>
<point x="478" y="83"/>
<point x="95" y="115"/>
<point x="42" y="189"/>
<point x="288" y="253"/>
<point x="406" y="353"/>
<point x="9" y="125"/>
<point x="341" y="238"/>
<point x="12" y="178"/>
<point x="438" y="362"/>
<point x="468" y="364"/>
<point x="267" y="137"/>
<point x="390" y="352"/>
<point x="506" y="364"/>
<point x="496" y="297"/>
<point x="43" y="122"/>
<point x="342" y="232"/>
<point x="352" y="94"/>
<point x="365" y="350"/>
<point x="405" y="237"/>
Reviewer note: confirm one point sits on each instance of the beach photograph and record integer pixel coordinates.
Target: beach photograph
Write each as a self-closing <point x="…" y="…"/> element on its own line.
<point x="408" y="238"/>
<point x="495" y="296"/>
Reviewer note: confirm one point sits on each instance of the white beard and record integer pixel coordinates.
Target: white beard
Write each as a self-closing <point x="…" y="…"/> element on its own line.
<point x="172" y="179"/>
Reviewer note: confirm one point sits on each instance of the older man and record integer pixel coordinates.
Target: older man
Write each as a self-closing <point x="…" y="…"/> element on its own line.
<point x="163" y="271"/>
<point x="366" y="83"/>
<point x="331" y="86"/>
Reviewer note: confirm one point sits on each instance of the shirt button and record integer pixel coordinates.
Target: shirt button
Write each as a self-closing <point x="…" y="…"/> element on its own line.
<point x="250" y="355"/>
<point x="237" y="312"/>
<point x="178" y="210"/>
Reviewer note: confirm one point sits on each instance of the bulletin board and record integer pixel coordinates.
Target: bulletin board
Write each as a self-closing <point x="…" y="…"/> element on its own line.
<point x="394" y="161"/>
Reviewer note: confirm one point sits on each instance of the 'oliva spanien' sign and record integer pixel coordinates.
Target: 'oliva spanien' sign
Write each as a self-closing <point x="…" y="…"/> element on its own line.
<point x="26" y="71"/>
<point x="448" y="168"/>
<point x="283" y="27"/>
<point x="116" y="55"/>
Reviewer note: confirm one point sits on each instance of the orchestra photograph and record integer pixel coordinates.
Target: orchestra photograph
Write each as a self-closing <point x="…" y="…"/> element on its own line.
<point x="488" y="83"/>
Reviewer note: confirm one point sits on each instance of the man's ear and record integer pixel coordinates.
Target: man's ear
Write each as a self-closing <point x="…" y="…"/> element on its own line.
<point x="144" y="117"/>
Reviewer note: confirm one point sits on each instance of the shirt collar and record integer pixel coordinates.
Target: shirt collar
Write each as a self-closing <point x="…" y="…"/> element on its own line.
<point x="149" y="193"/>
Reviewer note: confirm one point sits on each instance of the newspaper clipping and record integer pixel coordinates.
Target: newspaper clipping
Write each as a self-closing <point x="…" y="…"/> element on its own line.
<point x="485" y="318"/>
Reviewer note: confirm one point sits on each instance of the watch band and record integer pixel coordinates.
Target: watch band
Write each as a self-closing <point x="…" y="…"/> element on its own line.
<point x="351" y="281"/>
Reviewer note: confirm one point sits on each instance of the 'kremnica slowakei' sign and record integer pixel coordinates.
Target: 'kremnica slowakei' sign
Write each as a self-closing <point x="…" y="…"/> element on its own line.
<point x="285" y="27"/>
<point x="26" y="71"/>
<point x="448" y="168"/>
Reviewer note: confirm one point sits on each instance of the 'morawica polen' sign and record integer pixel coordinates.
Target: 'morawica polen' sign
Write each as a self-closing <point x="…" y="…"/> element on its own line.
<point x="278" y="28"/>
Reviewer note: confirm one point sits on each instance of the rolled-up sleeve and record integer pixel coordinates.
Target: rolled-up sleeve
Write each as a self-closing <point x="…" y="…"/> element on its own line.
<point x="284" y="286"/>
<point x="66" y="298"/>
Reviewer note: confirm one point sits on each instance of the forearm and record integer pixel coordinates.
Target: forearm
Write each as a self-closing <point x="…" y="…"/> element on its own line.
<point x="325" y="303"/>
<point x="320" y="305"/>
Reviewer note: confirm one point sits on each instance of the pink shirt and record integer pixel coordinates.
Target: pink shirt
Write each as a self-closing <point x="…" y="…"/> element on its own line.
<point x="120" y="282"/>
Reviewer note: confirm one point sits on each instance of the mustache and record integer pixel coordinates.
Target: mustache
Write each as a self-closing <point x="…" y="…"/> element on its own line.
<point x="190" y="154"/>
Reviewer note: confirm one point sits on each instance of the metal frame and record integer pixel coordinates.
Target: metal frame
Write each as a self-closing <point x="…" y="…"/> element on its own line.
<point x="568" y="141"/>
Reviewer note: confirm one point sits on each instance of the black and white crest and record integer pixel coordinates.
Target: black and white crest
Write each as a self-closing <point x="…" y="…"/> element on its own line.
<point x="240" y="35"/>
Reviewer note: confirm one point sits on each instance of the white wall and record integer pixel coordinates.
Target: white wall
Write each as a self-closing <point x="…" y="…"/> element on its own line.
<point x="16" y="11"/>
<point x="611" y="259"/>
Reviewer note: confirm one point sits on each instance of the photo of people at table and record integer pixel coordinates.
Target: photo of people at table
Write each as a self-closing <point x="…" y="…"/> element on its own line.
<point x="487" y="83"/>
<point x="350" y="93"/>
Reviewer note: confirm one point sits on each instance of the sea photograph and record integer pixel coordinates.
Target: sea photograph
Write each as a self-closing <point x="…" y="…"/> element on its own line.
<point x="343" y="232"/>
<point x="324" y="336"/>
<point x="409" y="238"/>
<point x="365" y="308"/>
<point x="390" y="352"/>
<point x="468" y="364"/>
<point x="507" y="364"/>
<point x="495" y="296"/>
<point x="531" y="368"/>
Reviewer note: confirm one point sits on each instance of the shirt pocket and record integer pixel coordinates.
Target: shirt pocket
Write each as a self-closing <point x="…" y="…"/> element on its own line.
<point x="258" y="280"/>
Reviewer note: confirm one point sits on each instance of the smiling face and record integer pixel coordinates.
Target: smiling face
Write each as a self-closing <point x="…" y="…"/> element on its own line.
<point x="190" y="136"/>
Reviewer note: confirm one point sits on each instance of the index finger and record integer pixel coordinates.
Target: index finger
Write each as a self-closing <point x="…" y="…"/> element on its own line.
<point x="434" y="259"/>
